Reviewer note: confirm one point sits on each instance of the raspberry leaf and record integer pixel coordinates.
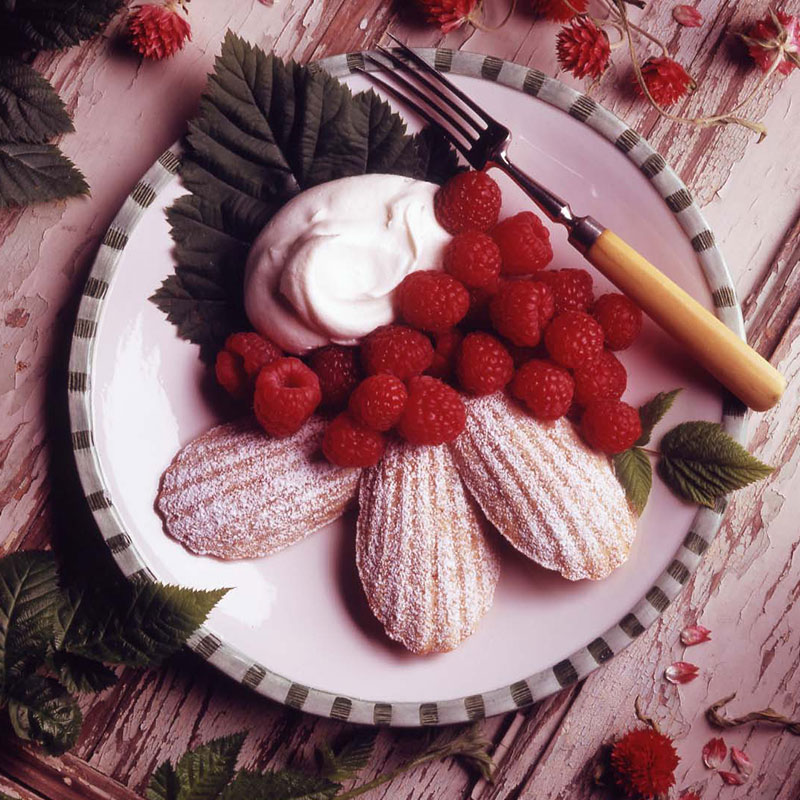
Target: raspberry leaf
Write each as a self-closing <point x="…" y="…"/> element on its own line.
<point x="41" y="710"/>
<point x="700" y="463"/>
<point x="282" y="785"/>
<point x="634" y="472"/>
<point x="82" y="675"/>
<point x="267" y="130"/>
<point x="30" y="109"/>
<point x="47" y="25"/>
<point x="32" y="173"/>
<point x="29" y="596"/>
<point x="652" y="412"/>
<point x="346" y="763"/>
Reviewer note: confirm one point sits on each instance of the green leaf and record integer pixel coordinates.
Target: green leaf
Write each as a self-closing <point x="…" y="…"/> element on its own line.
<point x="267" y="130"/>
<point x="42" y="711"/>
<point x="350" y="760"/>
<point x="34" y="173"/>
<point x="634" y="472"/>
<point x="52" y="24"/>
<point x="283" y="785"/>
<point x="30" y="109"/>
<point x="652" y="412"/>
<point x="201" y="774"/>
<point x="141" y="628"/>
<point x="29" y="595"/>
<point x="439" y="159"/>
<point x="700" y="463"/>
<point x="82" y="675"/>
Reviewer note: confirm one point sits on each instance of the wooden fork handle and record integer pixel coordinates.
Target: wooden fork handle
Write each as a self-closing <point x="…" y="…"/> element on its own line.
<point x="727" y="357"/>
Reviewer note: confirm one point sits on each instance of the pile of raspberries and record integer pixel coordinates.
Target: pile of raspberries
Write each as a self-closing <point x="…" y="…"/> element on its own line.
<point x="493" y="319"/>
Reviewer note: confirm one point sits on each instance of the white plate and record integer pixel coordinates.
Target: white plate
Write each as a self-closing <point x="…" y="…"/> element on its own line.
<point x="296" y="626"/>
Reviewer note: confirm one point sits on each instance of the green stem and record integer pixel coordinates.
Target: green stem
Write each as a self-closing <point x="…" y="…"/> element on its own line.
<point x="389" y="776"/>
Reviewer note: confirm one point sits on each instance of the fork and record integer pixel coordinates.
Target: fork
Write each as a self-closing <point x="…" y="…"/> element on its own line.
<point x="484" y="143"/>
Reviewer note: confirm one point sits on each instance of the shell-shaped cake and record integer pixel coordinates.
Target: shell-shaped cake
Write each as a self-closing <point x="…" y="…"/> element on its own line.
<point x="428" y="568"/>
<point x="557" y="501"/>
<point x="235" y="492"/>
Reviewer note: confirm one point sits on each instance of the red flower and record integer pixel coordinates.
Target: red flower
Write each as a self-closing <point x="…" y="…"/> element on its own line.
<point x="776" y="37"/>
<point x="158" y="31"/>
<point x="583" y="49"/>
<point x="559" y="10"/>
<point x="447" y="14"/>
<point x="643" y="763"/>
<point x="666" y="80"/>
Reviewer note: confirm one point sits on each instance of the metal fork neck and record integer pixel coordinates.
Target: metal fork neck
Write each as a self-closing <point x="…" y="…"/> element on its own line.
<point x="583" y="231"/>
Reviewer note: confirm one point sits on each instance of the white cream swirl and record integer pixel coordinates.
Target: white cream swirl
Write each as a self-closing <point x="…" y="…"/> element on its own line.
<point x="325" y="267"/>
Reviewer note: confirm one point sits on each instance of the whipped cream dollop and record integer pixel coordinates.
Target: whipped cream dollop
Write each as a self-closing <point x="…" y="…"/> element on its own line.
<point x="325" y="267"/>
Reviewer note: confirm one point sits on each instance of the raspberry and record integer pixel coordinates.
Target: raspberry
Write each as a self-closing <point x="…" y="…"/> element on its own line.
<point x="574" y="338"/>
<point x="348" y="443"/>
<point x="571" y="288"/>
<point x="378" y="402"/>
<point x="602" y="379"/>
<point x="338" y="371"/>
<point x="434" y="412"/>
<point x="524" y="244"/>
<point x="483" y="365"/>
<point x="240" y="360"/>
<point x="545" y="388"/>
<point x="515" y="312"/>
<point x="396" y="350"/>
<point x="444" y="354"/>
<point x="611" y="425"/>
<point x="287" y="392"/>
<point x="432" y="301"/>
<point x="473" y="258"/>
<point x="620" y="318"/>
<point x="469" y="201"/>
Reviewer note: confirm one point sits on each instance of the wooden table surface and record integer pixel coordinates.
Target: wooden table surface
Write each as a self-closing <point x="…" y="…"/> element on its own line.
<point x="126" y="113"/>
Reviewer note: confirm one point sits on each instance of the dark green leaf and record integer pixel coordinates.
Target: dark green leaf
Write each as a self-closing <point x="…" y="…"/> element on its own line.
<point x="283" y="785"/>
<point x="29" y="596"/>
<point x="266" y="130"/>
<point x="440" y="161"/>
<point x="30" y="109"/>
<point x="34" y="173"/>
<point x="42" y="711"/>
<point x="652" y="412"/>
<point x="52" y="24"/>
<point x="634" y="472"/>
<point x="345" y="764"/>
<point x="700" y="463"/>
<point x="82" y="675"/>
<point x="141" y="628"/>
<point x="164" y="784"/>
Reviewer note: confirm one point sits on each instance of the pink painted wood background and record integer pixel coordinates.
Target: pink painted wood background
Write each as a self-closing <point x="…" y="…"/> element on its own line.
<point x="126" y="113"/>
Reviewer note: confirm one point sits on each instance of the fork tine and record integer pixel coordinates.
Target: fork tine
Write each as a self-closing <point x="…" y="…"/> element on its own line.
<point x="390" y="90"/>
<point x="432" y="87"/>
<point x="429" y="70"/>
<point x="408" y="86"/>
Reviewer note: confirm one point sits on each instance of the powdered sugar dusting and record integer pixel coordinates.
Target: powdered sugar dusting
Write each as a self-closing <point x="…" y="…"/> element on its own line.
<point x="235" y="492"/>
<point x="553" y="498"/>
<point x="428" y="568"/>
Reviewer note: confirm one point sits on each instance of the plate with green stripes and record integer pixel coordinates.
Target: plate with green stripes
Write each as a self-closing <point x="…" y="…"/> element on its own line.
<point x="295" y="627"/>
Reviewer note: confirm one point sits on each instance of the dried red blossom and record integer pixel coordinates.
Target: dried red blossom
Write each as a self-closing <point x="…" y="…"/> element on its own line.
<point x="714" y="753"/>
<point x="583" y="48"/>
<point x="643" y="763"/>
<point x="681" y="672"/>
<point x="695" y="634"/>
<point x="731" y="778"/>
<point x="688" y="16"/>
<point x="447" y="14"/>
<point x="776" y="37"/>
<point x="559" y="10"/>
<point x="666" y="80"/>
<point x="689" y="796"/>
<point x="742" y="763"/>
<point x="158" y="31"/>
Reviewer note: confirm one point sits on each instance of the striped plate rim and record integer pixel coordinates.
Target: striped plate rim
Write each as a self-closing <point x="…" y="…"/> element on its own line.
<point x="208" y="644"/>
